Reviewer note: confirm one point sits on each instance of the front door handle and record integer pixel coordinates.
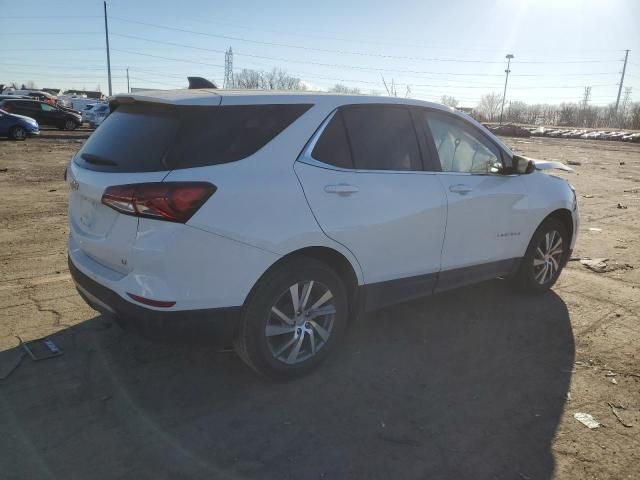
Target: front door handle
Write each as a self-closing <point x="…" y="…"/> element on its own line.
<point x="342" y="189"/>
<point x="460" y="188"/>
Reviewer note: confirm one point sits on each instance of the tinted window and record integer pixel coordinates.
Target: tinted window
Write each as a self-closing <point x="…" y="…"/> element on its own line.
<point x="382" y="138"/>
<point x="47" y="108"/>
<point x="460" y="149"/>
<point x="333" y="146"/>
<point x="145" y="138"/>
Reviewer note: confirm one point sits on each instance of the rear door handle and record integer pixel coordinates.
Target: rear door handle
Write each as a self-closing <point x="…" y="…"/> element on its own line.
<point x="460" y="188"/>
<point x="342" y="189"/>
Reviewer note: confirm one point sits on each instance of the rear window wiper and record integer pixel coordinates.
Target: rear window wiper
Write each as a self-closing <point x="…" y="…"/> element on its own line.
<point x="97" y="160"/>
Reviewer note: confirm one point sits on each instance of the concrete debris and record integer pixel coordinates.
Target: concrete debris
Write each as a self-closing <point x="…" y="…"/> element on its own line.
<point x="587" y="420"/>
<point x="613" y="380"/>
<point x="597" y="265"/>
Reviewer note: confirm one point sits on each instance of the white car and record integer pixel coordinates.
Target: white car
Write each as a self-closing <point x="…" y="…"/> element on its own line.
<point x="97" y="114"/>
<point x="87" y="112"/>
<point x="273" y="218"/>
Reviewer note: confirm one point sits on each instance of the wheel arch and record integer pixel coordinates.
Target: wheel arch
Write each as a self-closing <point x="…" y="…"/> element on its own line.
<point x="327" y="255"/>
<point x="565" y="217"/>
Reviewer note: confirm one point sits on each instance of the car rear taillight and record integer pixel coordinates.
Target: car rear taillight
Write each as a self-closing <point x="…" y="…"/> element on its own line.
<point x="171" y="201"/>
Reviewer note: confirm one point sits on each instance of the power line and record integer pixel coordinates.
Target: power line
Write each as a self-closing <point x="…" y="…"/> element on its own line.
<point x="167" y="58"/>
<point x="342" y="52"/>
<point x="50" y="33"/>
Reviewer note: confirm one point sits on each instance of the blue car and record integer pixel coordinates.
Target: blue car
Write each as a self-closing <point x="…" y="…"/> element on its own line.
<point x="17" y="127"/>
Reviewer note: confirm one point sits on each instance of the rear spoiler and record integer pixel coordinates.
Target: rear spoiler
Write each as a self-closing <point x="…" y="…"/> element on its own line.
<point x="199" y="82"/>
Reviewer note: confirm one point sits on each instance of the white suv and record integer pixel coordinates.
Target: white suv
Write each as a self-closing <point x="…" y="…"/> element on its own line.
<point x="272" y="218"/>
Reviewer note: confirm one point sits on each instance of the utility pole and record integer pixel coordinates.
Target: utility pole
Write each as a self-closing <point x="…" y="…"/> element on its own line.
<point x="228" y="69"/>
<point x="106" y="33"/>
<point x="128" y="88"/>
<point x="624" y="69"/>
<point x="504" y="95"/>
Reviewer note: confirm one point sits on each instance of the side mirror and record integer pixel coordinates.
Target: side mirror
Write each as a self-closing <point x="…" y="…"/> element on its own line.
<point x="495" y="168"/>
<point x="522" y="165"/>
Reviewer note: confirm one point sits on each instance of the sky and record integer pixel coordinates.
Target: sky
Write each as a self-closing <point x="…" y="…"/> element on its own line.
<point x="427" y="48"/>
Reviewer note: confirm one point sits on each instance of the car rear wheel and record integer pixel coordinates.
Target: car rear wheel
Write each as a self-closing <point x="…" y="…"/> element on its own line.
<point x="17" y="133"/>
<point x="545" y="258"/>
<point x="293" y="319"/>
<point x="70" y="125"/>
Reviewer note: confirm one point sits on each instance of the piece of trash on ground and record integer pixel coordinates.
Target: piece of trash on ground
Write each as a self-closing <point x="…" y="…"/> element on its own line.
<point x="621" y="206"/>
<point x="587" y="420"/>
<point x="40" y="349"/>
<point x="587" y="196"/>
<point x="595" y="229"/>
<point x="597" y="265"/>
<point x="613" y="380"/>
<point x="614" y="409"/>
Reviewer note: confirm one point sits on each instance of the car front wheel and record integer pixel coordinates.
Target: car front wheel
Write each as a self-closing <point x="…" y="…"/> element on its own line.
<point x="70" y="125"/>
<point x="18" y="133"/>
<point x="293" y="319"/>
<point x="545" y="258"/>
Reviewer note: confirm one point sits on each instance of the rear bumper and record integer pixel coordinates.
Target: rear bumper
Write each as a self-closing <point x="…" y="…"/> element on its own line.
<point x="211" y="325"/>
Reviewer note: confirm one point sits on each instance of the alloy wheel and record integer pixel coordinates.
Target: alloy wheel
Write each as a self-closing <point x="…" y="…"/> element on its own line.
<point x="548" y="257"/>
<point x="19" y="133"/>
<point x="300" y="322"/>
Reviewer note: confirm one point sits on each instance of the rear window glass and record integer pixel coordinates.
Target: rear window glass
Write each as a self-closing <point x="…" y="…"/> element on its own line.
<point x="332" y="147"/>
<point x="382" y="138"/>
<point x="147" y="138"/>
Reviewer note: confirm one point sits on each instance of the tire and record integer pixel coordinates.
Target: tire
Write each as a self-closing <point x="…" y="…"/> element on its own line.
<point x="17" y="133"/>
<point x="531" y="276"/>
<point x="275" y="342"/>
<point x="70" y="125"/>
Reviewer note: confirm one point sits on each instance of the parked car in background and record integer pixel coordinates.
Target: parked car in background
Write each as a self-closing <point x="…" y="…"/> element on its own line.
<point x="98" y="114"/>
<point x="270" y="218"/>
<point x="632" y="137"/>
<point x="43" y="97"/>
<point x="87" y="112"/>
<point x="43" y="113"/>
<point x="17" y="127"/>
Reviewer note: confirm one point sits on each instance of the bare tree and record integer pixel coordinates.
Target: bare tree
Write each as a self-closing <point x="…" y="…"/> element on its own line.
<point x="635" y="116"/>
<point x="489" y="105"/>
<point x="449" y="101"/>
<point x="391" y="89"/>
<point x="275" y="79"/>
<point x="625" y="108"/>
<point x="340" y="88"/>
<point x="249" y="79"/>
<point x="30" y="85"/>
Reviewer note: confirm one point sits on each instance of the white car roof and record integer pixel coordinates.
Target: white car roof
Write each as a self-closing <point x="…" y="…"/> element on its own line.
<point x="207" y="96"/>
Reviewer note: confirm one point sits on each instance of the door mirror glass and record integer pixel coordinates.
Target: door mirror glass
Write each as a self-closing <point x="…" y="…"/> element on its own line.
<point x="495" y="168"/>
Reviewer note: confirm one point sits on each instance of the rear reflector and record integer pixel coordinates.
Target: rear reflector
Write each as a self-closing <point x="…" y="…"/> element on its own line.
<point x="171" y="201"/>
<point x="150" y="302"/>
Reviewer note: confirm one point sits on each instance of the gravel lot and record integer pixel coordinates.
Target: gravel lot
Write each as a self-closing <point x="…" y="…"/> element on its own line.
<point x="479" y="383"/>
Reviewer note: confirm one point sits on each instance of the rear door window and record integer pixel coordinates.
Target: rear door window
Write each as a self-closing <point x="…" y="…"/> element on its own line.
<point x="332" y="147"/>
<point x="147" y="138"/>
<point x="382" y="138"/>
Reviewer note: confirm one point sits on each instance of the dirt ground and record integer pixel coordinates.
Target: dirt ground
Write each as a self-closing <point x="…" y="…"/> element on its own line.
<point x="479" y="383"/>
